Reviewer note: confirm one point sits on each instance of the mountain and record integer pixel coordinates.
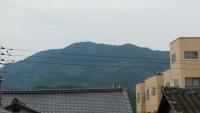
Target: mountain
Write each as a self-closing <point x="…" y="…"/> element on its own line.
<point x="86" y="64"/>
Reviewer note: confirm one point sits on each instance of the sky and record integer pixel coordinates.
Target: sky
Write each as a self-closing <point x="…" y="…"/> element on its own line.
<point x="49" y="24"/>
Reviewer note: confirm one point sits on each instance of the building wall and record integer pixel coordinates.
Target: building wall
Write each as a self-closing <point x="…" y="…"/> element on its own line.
<point x="174" y="66"/>
<point x="153" y="90"/>
<point x="141" y="106"/>
<point x="167" y="78"/>
<point x="183" y="68"/>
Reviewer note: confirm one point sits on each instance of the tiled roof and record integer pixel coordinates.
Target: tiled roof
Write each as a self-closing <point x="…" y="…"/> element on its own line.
<point x="72" y="101"/>
<point x="4" y="111"/>
<point x="182" y="100"/>
<point x="17" y="104"/>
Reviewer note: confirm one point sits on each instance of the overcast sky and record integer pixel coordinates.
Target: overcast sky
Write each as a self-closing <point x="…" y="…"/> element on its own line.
<point x="47" y="24"/>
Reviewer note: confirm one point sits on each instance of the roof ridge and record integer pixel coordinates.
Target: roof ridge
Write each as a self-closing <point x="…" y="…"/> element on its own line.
<point x="83" y="90"/>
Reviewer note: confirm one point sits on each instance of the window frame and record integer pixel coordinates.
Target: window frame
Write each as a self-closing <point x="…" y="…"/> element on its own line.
<point x="189" y="55"/>
<point x="153" y="91"/>
<point x="148" y="95"/>
<point x="143" y="99"/>
<point x="190" y="81"/>
<point x="167" y="84"/>
<point x="176" y="83"/>
<point x="173" y="57"/>
<point x="138" y="97"/>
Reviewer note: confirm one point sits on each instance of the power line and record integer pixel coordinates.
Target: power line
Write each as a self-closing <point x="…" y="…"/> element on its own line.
<point x="90" y="55"/>
<point x="112" y="57"/>
<point x="106" y="60"/>
<point x="91" y="65"/>
<point x="111" y="66"/>
<point x="86" y="59"/>
<point x="101" y="60"/>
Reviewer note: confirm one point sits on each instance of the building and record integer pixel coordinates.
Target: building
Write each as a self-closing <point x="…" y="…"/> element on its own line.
<point x="152" y="91"/>
<point x="184" y="72"/>
<point x="114" y="100"/>
<point x="185" y="62"/>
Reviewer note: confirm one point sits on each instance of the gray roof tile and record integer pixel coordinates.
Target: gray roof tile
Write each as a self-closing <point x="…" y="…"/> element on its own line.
<point x="182" y="100"/>
<point x="72" y="101"/>
<point x="4" y="111"/>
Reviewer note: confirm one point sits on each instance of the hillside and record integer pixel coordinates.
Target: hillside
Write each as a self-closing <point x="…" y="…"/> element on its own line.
<point x="86" y="64"/>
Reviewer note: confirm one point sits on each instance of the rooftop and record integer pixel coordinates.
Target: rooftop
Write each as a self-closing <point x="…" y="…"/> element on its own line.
<point x="180" y="100"/>
<point x="113" y="100"/>
<point x="4" y="111"/>
<point x="185" y="38"/>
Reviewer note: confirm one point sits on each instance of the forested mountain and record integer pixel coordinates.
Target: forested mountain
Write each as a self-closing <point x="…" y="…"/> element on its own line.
<point x="86" y="64"/>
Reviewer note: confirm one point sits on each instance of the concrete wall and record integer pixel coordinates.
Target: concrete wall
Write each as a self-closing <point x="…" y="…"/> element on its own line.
<point x="141" y="106"/>
<point x="167" y="78"/>
<point x="183" y="68"/>
<point x="153" y="83"/>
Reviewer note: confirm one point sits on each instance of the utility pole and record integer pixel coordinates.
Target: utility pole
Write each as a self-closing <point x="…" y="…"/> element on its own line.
<point x="4" y="60"/>
<point x="1" y="81"/>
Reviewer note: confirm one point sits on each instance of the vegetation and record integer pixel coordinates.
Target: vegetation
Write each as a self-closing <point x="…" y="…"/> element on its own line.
<point x="80" y="65"/>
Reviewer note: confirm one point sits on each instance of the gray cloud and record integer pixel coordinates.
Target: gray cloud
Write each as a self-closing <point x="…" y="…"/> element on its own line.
<point x="43" y="24"/>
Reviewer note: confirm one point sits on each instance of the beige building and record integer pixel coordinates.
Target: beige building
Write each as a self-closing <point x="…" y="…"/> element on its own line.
<point x="140" y="98"/>
<point x="185" y="62"/>
<point x="152" y="90"/>
<point x="184" y="72"/>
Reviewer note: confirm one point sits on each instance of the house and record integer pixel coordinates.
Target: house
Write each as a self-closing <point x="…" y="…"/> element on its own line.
<point x="184" y="72"/>
<point x="180" y="100"/>
<point x="114" y="100"/>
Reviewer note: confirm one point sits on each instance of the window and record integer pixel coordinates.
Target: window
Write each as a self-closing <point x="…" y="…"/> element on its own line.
<point x="168" y="84"/>
<point x="148" y="95"/>
<point x="191" y="55"/>
<point x="153" y="91"/>
<point x="173" y="57"/>
<point x="176" y="83"/>
<point x="192" y="82"/>
<point x="143" y="97"/>
<point x="138" y="97"/>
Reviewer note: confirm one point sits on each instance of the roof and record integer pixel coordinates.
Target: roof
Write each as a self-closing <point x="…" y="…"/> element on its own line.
<point x="4" y="111"/>
<point x="17" y="104"/>
<point x="184" y="38"/>
<point x="72" y="101"/>
<point x="181" y="100"/>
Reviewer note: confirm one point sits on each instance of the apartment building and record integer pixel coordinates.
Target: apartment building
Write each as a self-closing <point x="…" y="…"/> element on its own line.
<point x="184" y="72"/>
<point x="185" y="62"/>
